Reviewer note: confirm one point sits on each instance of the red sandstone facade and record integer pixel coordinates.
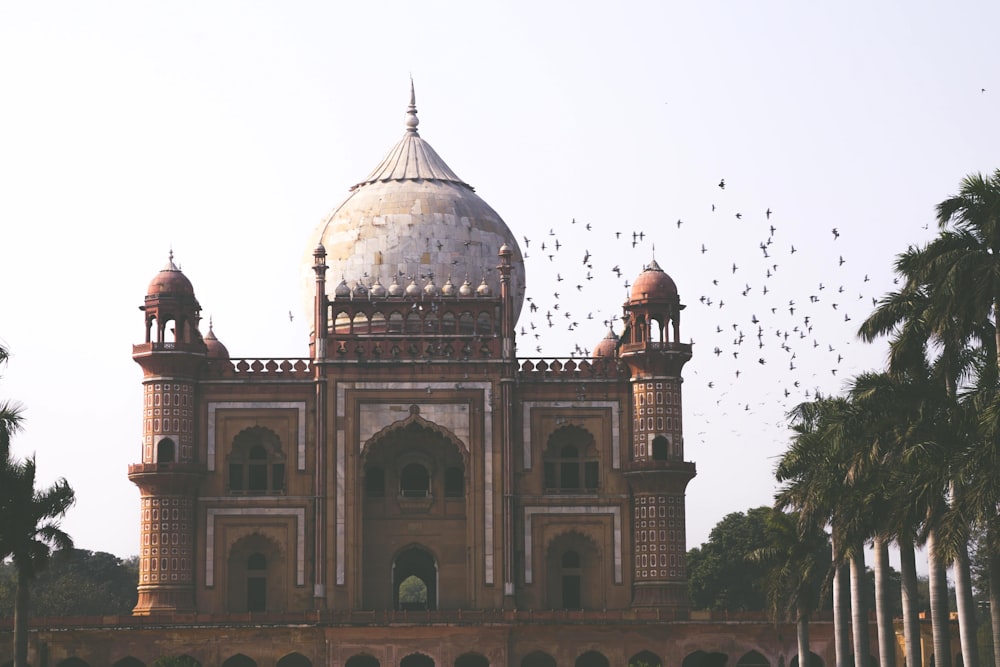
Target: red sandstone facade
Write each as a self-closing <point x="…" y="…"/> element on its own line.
<point x="412" y="492"/>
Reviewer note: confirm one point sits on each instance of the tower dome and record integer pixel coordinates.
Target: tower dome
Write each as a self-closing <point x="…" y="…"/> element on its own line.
<point x="653" y="284"/>
<point x="216" y="350"/>
<point x="170" y="281"/>
<point x="607" y="347"/>
<point x="413" y="216"/>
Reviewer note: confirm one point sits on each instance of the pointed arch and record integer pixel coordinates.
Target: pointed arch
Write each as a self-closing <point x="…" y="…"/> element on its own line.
<point x="814" y="661"/>
<point x="294" y="659"/>
<point x="239" y="660"/>
<point x="592" y="659"/>
<point x="415" y="560"/>
<point x="414" y="420"/>
<point x="362" y="660"/>
<point x="417" y="660"/>
<point x="753" y="659"/>
<point x="472" y="659"/>
<point x="703" y="659"/>
<point x="129" y="661"/>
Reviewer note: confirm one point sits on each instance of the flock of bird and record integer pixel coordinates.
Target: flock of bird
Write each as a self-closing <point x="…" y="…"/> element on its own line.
<point x="772" y="308"/>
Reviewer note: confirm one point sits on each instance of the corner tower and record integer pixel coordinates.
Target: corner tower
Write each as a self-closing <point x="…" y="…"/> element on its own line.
<point x="171" y="359"/>
<point x="656" y="470"/>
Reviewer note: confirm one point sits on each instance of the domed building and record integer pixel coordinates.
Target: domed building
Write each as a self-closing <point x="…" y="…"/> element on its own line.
<point x="412" y="492"/>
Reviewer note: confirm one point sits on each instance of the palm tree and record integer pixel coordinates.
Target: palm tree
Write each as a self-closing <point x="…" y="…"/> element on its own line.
<point x="930" y="333"/>
<point x="899" y="412"/>
<point x="811" y="472"/>
<point x="798" y="562"/>
<point x="34" y="533"/>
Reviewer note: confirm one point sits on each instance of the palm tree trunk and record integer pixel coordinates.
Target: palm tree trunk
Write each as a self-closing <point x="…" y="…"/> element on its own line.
<point x="841" y="600"/>
<point x="994" y="574"/>
<point x="911" y="603"/>
<point x="859" y="614"/>
<point x="883" y="611"/>
<point x="802" y="631"/>
<point x="966" y="607"/>
<point x="938" y="584"/>
<point x="21" y="600"/>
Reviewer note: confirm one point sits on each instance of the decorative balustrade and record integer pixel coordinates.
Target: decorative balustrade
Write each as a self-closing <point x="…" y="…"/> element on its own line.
<point x="283" y="369"/>
<point x="536" y="368"/>
<point x="413" y="347"/>
<point x="387" y="617"/>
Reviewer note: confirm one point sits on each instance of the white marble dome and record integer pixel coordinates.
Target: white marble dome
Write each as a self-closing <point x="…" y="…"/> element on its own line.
<point x="413" y="220"/>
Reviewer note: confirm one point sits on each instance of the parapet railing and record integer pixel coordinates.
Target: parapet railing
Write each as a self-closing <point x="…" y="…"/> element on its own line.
<point x="382" y="617"/>
<point x="542" y="368"/>
<point x="291" y="369"/>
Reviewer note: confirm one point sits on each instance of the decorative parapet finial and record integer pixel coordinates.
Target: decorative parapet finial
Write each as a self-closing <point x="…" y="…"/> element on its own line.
<point x="411" y="112"/>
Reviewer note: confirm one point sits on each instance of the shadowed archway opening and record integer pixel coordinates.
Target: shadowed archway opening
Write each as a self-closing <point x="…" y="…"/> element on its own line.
<point x="645" y="659"/>
<point x="472" y="660"/>
<point x="417" y="660"/>
<point x="414" y="566"/>
<point x="362" y="660"/>
<point x="538" y="659"/>
<point x="592" y="659"/>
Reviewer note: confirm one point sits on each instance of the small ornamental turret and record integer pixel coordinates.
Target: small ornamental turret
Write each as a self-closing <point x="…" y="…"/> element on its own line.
<point x="171" y="358"/>
<point x="656" y="470"/>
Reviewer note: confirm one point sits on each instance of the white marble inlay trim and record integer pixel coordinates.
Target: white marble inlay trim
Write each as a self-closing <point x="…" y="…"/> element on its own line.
<point x="300" y="463"/>
<point x="300" y="535"/>
<point x="526" y="425"/>
<point x="616" y="516"/>
<point x="487" y="389"/>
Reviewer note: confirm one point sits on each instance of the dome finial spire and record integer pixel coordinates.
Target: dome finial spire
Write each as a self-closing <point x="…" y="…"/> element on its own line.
<point x="411" y="112"/>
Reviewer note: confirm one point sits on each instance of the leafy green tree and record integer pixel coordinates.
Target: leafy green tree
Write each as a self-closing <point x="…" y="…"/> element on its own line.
<point x="721" y="577"/>
<point x="76" y="583"/>
<point x="798" y="564"/>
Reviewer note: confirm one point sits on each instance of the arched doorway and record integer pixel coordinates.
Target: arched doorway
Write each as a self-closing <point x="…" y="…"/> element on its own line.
<point x="572" y="573"/>
<point x="414" y="579"/>
<point x="417" y="660"/>
<point x="255" y="575"/>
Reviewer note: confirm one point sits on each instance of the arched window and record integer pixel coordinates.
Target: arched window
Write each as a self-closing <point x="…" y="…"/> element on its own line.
<point x="571" y="464"/>
<point x="414" y="482"/>
<point x="165" y="451"/>
<point x="256" y="463"/>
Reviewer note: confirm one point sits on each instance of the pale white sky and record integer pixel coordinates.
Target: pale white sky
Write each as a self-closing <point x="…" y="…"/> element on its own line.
<point x="227" y="130"/>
